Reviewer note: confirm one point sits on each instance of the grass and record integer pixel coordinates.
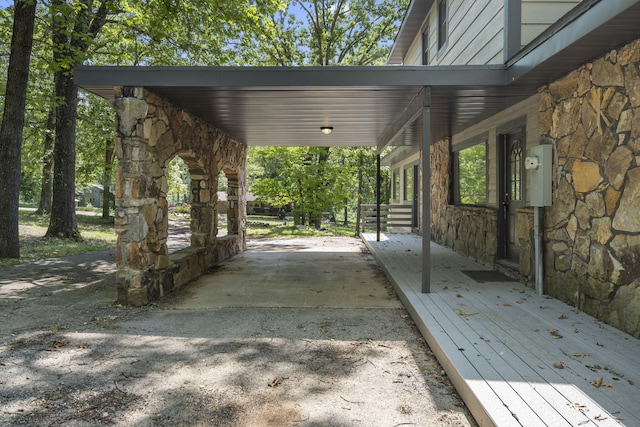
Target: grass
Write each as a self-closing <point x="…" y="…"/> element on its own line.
<point x="259" y="227"/>
<point x="97" y="234"/>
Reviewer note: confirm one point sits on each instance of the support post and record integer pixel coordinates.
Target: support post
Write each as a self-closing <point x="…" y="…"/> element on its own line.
<point x="537" y="231"/>
<point x="378" y="196"/>
<point x="426" y="191"/>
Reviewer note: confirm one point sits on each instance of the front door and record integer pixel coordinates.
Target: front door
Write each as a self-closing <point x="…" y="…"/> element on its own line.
<point x="512" y="191"/>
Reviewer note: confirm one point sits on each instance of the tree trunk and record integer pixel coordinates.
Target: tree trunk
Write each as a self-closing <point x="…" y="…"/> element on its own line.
<point x="106" y="178"/>
<point x="44" y="207"/>
<point x="71" y="39"/>
<point x="63" y="223"/>
<point x="12" y="126"/>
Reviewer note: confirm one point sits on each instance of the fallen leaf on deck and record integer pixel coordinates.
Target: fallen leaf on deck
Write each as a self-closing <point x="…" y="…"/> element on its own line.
<point x="554" y="333"/>
<point x="462" y="313"/>
<point x="506" y="304"/>
<point x="581" y="354"/>
<point x="558" y="365"/>
<point x="599" y="417"/>
<point x="520" y="301"/>
<point x="599" y="382"/>
<point x="577" y="406"/>
<point x="594" y="368"/>
<point x="564" y="316"/>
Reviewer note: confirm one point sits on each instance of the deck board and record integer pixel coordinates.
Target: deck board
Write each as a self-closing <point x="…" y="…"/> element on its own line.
<point x="500" y="343"/>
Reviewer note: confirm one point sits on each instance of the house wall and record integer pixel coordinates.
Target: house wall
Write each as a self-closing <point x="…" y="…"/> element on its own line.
<point x="475" y="35"/>
<point x="150" y="132"/>
<point x="591" y="117"/>
<point x="538" y="15"/>
<point x="476" y="30"/>
<point x="592" y="231"/>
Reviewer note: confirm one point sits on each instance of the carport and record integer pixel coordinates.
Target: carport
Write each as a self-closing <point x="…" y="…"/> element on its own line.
<point x="209" y="115"/>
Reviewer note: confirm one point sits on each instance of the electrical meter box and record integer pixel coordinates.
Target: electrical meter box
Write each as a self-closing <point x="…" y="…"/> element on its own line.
<point x="538" y="164"/>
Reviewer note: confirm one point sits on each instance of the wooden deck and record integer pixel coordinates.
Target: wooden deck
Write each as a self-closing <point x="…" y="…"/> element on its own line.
<point x="515" y="357"/>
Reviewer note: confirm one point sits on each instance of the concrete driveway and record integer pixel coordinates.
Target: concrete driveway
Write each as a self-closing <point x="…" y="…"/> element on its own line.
<point x="300" y="332"/>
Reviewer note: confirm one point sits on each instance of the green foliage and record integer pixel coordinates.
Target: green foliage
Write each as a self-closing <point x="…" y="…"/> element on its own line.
<point x="472" y="175"/>
<point x="312" y="179"/>
<point x="178" y="181"/>
<point x="327" y="32"/>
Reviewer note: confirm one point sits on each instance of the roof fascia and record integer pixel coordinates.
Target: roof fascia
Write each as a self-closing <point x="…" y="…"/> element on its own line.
<point x="412" y="22"/>
<point x="269" y="78"/>
<point x="586" y="17"/>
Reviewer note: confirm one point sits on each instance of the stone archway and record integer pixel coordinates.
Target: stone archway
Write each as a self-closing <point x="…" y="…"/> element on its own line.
<point x="150" y="132"/>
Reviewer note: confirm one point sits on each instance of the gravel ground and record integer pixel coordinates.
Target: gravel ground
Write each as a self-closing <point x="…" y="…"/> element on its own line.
<point x="69" y="357"/>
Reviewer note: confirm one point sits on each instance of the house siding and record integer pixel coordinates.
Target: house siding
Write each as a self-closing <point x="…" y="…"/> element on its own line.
<point x="475" y="35"/>
<point x="538" y="15"/>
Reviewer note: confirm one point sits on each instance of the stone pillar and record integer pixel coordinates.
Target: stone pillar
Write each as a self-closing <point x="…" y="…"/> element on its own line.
<point x="136" y="206"/>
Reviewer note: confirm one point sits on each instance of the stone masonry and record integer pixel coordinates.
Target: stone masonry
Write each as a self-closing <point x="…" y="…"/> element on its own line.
<point x="470" y="230"/>
<point x="592" y="231"/>
<point x="151" y="132"/>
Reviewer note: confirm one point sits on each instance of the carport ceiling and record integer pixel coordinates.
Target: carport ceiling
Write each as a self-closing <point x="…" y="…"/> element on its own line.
<point x="274" y="106"/>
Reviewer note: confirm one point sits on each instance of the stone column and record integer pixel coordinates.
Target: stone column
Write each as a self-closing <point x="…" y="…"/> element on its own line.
<point x="136" y="195"/>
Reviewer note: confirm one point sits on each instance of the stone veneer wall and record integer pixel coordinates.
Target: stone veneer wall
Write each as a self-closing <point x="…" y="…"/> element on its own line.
<point x="592" y="231"/>
<point x="469" y="230"/>
<point x="150" y="132"/>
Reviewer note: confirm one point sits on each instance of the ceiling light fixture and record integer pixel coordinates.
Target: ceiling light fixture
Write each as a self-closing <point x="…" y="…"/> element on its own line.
<point x="326" y="130"/>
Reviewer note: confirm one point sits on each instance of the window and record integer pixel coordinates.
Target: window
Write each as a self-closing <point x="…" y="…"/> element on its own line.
<point x="442" y="23"/>
<point x="396" y="185"/>
<point x="425" y="46"/>
<point x="408" y="183"/>
<point x="471" y="175"/>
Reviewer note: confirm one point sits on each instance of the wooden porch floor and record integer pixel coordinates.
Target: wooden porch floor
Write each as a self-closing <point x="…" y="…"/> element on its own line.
<point x="515" y="357"/>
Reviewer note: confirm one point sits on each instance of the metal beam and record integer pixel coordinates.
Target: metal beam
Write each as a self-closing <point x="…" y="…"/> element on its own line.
<point x="426" y="191"/>
<point x="411" y="112"/>
<point x="512" y="27"/>
<point x="257" y="78"/>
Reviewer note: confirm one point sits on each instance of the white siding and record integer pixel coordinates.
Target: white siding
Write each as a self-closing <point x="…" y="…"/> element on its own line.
<point x="475" y="35"/>
<point x="528" y="108"/>
<point x="538" y="15"/>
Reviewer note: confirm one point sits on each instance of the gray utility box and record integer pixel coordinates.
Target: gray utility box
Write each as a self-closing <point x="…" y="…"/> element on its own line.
<point x="539" y="163"/>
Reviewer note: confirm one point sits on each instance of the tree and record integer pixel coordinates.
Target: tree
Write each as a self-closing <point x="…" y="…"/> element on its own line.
<point x="305" y="177"/>
<point x="322" y="33"/>
<point x="12" y="124"/>
<point x="75" y="26"/>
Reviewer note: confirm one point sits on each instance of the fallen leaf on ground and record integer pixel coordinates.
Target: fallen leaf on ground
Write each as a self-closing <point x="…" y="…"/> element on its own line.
<point x="58" y="344"/>
<point x="276" y="382"/>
